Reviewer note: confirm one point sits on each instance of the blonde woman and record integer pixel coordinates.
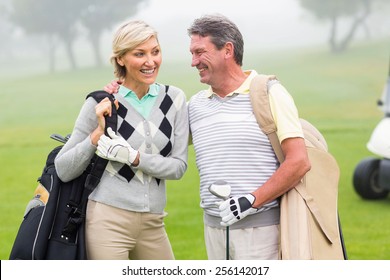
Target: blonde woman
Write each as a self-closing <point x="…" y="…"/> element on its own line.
<point x="125" y="212"/>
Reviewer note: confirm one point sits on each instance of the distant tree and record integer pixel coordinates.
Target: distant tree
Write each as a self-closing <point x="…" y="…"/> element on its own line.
<point x="333" y="11"/>
<point x="5" y="33"/>
<point x="100" y="15"/>
<point x="53" y="18"/>
<point x="59" y="20"/>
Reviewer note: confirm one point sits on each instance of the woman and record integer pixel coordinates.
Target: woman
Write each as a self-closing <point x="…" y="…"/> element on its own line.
<point x="125" y="212"/>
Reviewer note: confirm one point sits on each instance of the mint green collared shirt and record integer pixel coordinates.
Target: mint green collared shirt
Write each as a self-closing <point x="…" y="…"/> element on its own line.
<point x="143" y="105"/>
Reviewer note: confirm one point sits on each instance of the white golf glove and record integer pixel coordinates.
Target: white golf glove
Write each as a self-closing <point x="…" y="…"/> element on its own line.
<point x="116" y="148"/>
<point x="236" y="208"/>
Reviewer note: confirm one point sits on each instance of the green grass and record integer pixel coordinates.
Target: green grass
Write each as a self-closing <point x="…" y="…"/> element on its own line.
<point x="336" y="93"/>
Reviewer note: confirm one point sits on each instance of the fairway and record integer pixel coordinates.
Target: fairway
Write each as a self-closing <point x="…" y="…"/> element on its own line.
<point x="337" y="93"/>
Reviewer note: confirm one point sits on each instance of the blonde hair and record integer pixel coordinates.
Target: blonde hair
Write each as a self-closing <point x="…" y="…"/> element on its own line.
<point x="128" y="36"/>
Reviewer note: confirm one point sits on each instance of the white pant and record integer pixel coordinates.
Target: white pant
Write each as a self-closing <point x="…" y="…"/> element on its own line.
<point x="260" y="243"/>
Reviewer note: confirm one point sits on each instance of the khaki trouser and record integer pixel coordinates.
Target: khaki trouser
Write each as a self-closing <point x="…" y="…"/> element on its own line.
<point x="261" y="243"/>
<point x="117" y="234"/>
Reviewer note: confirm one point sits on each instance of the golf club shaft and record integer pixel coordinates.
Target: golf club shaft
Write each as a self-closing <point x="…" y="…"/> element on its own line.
<point x="227" y="242"/>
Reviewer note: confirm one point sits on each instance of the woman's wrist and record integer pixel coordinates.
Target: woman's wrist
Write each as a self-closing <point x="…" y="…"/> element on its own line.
<point x="95" y="136"/>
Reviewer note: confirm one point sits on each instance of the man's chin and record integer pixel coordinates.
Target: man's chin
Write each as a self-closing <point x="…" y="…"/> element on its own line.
<point x="203" y="79"/>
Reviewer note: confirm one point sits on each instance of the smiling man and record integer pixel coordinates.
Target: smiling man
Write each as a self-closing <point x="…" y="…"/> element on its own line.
<point x="230" y="146"/>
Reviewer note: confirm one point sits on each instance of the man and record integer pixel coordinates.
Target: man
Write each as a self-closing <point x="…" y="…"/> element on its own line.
<point x="230" y="146"/>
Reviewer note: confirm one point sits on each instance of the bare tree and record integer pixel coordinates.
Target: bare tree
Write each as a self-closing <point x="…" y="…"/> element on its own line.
<point x="58" y="21"/>
<point x="53" y="18"/>
<point x="334" y="11"/>
<point x="100" y="15"/>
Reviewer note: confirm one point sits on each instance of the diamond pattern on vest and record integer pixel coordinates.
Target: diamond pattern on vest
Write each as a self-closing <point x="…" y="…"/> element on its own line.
<point x="166" y="104"/>
<point x="122" y="111"/>
<point x="160" y="129"/>
<point x="126" y="172"/>
<point x="126" y="130"/>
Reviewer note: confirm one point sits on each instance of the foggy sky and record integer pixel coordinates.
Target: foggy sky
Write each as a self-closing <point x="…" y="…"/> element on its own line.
<point x="265" y="25"/>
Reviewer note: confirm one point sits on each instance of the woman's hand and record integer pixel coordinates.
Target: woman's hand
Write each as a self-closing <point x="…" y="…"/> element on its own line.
<point x="102" y="109"/>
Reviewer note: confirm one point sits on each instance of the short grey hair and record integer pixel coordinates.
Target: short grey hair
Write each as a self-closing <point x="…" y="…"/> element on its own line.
<point x="221" y="30"/>
<point x="128" y="36"/>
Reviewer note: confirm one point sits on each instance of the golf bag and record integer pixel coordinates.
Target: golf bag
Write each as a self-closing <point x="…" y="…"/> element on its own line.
<point x="309" y="223"/>
<point x="53" y="224"/>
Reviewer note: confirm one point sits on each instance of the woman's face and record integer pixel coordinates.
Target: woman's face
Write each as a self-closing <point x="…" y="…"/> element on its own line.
<point x="142" y="63"/>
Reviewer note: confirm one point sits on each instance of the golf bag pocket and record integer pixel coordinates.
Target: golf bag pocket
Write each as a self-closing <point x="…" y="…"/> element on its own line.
<point x="24" y="246"/>
<point x="61" y="249"/>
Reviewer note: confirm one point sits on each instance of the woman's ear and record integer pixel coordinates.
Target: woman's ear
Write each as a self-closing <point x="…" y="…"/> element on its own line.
<point x="119" y="61"/>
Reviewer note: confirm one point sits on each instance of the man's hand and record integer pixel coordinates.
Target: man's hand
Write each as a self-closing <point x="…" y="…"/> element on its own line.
<point x="236" y="208"/>
<point x="112" y="87"/>
<point x="116" y="148"/>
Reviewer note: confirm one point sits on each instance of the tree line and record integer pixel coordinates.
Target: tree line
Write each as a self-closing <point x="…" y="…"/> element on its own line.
<point x="60" y="21"/>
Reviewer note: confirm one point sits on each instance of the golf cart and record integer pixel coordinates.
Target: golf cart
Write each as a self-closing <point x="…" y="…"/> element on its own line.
<point x="371" y="178"/>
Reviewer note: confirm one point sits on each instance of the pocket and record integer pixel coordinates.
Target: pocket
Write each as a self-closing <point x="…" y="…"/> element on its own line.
<point x="24" y="247"/>
<point x="60" y="249"/>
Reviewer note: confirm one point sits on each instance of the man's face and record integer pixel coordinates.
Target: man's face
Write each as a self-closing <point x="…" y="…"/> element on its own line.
<point x="207" y="59"/>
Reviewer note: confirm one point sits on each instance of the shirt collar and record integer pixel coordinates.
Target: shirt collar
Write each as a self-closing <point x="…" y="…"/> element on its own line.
<point x="124" y="91"/>
<point x="242" y="89"/>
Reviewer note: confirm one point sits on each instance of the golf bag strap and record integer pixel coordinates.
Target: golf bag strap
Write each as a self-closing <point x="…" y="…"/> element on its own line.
<point x="95" y="171"/>
<point x="100" y="164"/>
<point x="262" y="110"/>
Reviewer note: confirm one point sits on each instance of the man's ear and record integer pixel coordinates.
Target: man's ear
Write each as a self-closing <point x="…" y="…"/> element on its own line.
<point x="229" y="49"/>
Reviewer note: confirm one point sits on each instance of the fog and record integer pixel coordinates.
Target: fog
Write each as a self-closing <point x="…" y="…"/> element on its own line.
<point x="266" y="25"/>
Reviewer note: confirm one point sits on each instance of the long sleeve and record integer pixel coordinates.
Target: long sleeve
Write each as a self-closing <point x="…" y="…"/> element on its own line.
<point x="161" y="139"/>
<point x="76" y="154"/>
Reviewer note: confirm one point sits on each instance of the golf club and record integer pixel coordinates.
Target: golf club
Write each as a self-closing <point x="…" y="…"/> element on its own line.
<point x="222" y="189"/>
<point x="60" y="138"/>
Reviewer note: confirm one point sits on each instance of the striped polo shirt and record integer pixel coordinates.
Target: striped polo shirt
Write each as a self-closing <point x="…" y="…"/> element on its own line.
<point x="230" y="146"/>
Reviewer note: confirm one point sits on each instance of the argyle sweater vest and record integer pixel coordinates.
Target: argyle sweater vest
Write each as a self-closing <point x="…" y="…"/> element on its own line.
<point x="161" y="139"/>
